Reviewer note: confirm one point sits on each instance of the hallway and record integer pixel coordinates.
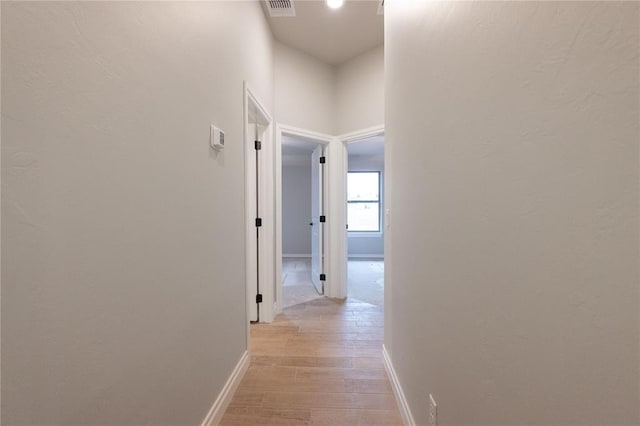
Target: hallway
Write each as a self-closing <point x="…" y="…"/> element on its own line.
<point x="480" y="167"/>
<point x="318" y="363"/>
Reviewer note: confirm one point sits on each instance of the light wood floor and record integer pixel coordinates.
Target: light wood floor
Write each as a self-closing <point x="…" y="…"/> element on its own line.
<point x="318" y="363"/>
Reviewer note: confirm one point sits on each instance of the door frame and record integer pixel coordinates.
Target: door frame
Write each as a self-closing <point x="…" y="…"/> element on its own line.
<point x="254" y="112"/>
<point x="341" y="198"/>
<point x="336" y="169"/>
<point x="322" y="139"/>
<point x="318" y="227"/>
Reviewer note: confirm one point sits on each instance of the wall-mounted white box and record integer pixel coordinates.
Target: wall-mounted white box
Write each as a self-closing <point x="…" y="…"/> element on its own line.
<point x="217" y="138"/>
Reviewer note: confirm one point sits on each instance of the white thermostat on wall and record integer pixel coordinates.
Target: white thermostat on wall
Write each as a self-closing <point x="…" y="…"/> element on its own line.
<point x="217" y="138"/>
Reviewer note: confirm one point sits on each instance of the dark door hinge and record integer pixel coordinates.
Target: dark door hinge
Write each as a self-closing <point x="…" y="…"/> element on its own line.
<point x="323" y="219"/>
<point x="323" y="277"/>
<point x="258" y="145"/>
<point x="258" y="222"/>
<point x="323" y="160"/>
<point x="258" y="298"/>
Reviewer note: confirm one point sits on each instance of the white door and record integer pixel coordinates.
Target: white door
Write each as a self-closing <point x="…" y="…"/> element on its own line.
<point x="317" y="226"/>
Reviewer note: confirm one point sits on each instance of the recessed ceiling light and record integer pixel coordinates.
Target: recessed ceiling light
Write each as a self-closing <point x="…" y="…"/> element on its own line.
<point x="335" y="4"/>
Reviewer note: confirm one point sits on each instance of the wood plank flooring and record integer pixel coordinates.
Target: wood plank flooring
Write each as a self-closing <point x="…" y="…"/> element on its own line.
<point x="318" y="363"/>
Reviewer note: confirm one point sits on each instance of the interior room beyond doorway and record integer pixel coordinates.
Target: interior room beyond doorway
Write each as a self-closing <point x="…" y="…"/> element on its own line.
<point x="365" y="207"/>
<point x="299" y="191"/>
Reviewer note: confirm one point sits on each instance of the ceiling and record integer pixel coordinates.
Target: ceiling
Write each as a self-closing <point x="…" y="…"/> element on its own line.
<point x="367" y="147"/>
<point x="333" y="36"/>
<point x="297" y="145"/>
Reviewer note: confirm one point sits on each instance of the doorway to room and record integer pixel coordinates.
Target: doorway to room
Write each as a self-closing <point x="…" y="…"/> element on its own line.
<point x="294" y="265"/>
<point x="303" y="204"/>
<point x="365" y="223"/>
<point x="258" y="148"/>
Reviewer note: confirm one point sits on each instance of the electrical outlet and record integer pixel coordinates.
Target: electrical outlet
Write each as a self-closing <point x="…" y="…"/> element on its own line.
<point x="433" y="411"/>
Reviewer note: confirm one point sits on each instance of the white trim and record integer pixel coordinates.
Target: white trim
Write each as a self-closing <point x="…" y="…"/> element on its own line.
<point x="403" y="406"/>
<point x="214" y="416"/>
<point x="296" y="255"/>
<point x="366" y="256"/>
<point x="264" y="115"/>
<point x="362" y="134"/>
<point x="247" y="213"/>
<point x="277" y="216"/>
<point x="337" y="220"/>
<point x="296" y="131"/>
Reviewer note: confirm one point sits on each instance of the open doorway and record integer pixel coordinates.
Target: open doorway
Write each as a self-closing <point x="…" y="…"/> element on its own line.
<point x="303" y="218"/>
<point x="258" y="149"/>
<point x="365" y="227"/>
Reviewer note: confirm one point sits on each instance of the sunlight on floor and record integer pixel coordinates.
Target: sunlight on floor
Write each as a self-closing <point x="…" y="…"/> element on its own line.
<point x="296" y="281"/>
<point x="366" y="281"/>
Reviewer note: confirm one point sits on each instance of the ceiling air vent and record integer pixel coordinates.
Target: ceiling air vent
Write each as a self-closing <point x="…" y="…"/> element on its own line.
<point x="381" y="7"/>
<point x="280" y="7"/>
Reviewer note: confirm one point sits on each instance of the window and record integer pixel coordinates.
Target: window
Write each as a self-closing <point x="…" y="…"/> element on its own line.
<point x="363" y="201"/>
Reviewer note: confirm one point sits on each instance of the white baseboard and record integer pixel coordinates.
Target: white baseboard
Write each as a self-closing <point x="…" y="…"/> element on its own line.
<point x="351" y="256"/>
<point x="222" y="402"/>
<point x="366" y="256"/>
<point x="403" y="406"/>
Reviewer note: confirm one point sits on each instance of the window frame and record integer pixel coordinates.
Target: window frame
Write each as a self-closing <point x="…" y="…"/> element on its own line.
<point x="378" y="202"/>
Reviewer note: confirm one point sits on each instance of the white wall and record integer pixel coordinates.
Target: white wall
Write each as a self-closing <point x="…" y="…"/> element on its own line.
<point x="516" y="300"/>
<point x="367" y="244"/>
<point x="304" y="90"/>
<point x="123" y="256"/>
<point x="296" y="207"/>
<point x="313" y="95"/>
<point x="360" y="92"/>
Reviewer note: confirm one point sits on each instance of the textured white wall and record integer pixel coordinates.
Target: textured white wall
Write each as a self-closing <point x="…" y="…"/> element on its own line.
<point x="296" y="208"/>
<point x="304" y="90"/>
<point x="123" y="260"/>
<point x="359" y="92"/>
<point x="313" y="95"/>
<point x="512" y="136"/>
